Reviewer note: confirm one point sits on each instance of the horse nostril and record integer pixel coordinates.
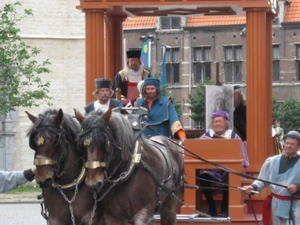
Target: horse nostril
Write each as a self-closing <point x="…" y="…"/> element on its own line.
<point x="48" y="182"/>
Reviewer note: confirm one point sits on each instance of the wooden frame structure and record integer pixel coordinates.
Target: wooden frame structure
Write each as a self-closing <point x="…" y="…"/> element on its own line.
<point x="104" y="52"/>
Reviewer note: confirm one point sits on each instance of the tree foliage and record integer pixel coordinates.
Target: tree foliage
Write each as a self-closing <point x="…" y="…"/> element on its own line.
<point x="276" y="108"/>
<point x="288" y="115"/>
<point x="20" y="84"/>
<point x="197" y="102"/>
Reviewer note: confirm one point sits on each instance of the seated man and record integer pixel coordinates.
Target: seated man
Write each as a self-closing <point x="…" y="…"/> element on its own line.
<point x="162" y="116"/>
<point x="215" y="177"/>
<point x="103" y="95"/>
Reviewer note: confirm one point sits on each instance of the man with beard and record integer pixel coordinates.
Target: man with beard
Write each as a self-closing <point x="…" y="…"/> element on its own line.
<point x="103" y="95"/>
<point x="162" y="116"/>
<point x="125" y="82"/>
<point x="239" y="114"/>
<point x="214" y="178"/>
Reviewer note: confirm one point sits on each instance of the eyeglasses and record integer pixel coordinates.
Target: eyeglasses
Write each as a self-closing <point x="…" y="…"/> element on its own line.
<point x="218" y="121"/>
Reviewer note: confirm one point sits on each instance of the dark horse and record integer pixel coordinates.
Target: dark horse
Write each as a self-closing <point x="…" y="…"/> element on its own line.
<point x="133" y="178"/>
<point x="60" y="169"/>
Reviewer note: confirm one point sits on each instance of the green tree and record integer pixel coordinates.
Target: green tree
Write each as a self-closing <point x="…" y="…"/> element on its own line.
<point x="177" y="105"/>
<point x="197" y="102"/>
<point x="288" y="115"/>
<point x="20" y="84"/>
<point x="276" y="108"/>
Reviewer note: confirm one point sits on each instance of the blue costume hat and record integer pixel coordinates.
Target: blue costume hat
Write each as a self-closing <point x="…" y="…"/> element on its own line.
<point x="292" y="134"/>
<point x="220" y="113"/>
<point x="152" y="81"/>
<point x="237" y="88"/>
<point x="102" y="83"/>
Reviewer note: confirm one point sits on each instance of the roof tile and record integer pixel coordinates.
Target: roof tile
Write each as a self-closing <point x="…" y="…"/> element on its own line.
<point x="215" y="20"/>
<point x="139" y="22"/>
<point x="293" y="11"/>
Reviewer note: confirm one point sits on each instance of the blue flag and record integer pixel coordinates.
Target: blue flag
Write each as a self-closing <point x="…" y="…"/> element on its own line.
<point x="163" y="67"/>
<point x="145" y="53"/>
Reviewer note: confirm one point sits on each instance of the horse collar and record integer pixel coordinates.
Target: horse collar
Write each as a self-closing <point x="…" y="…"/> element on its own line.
<point x="76" y="182"/>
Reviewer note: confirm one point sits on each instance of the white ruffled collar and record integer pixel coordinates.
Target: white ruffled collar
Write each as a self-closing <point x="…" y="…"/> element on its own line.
<point x="226" y="135"/>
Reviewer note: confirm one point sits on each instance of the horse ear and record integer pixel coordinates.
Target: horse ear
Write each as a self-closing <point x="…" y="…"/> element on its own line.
<point x="79" y="116"/>
<point x="59" y="117"/>
<point x="31" y="117"/>
<point x="106" y="117"/>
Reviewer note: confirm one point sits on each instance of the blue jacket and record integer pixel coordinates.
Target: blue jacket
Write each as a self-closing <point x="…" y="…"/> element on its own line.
<point x="161" y="116"/>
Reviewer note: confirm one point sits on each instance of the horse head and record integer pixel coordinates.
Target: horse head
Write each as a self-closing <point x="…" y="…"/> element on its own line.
<point x="105" y="140"/>
<point x="48" y="136"/>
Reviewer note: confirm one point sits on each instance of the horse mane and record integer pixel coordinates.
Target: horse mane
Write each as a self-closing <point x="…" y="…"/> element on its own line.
<point x="45" y="121"/>
<point x="67" y="131"/>
<point x="118" y="129"/>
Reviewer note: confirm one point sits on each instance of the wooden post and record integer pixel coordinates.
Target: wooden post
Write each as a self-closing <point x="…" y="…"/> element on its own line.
<point x="258" y="129"/>
<point x="94" y="35"/>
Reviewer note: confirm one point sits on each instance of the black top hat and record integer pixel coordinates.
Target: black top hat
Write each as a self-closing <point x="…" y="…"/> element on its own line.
<point x="102" y="83"/>
<point x="133" y="54"/>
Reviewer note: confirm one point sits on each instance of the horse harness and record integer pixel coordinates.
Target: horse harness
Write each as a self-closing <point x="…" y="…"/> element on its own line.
<point x="138" y="127"/>
<point x="45" y="161"/>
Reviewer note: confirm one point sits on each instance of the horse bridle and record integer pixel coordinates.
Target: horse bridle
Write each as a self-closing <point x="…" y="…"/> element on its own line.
<point x="42" y="160"/>
<point x="46" y="161"/>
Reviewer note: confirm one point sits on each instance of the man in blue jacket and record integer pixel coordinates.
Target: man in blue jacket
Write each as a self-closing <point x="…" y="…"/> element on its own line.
<point x="162" y="116"/>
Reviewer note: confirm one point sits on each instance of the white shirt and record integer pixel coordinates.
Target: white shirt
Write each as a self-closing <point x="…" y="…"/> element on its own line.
<point x="99" y="106"/>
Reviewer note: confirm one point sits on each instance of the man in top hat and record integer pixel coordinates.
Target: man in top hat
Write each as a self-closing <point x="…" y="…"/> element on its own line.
<point x="239" y="113"/>
<point x="213" y="179"/>
<point x="162" y="116"/>
<point x="125" y="82"/>
<point x="103" y="95"/>
<point x="282" y="173"/>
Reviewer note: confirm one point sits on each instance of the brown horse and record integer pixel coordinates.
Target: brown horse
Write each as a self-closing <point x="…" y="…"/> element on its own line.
<point x="134" y="177"/>
<point x="60" y="170"/>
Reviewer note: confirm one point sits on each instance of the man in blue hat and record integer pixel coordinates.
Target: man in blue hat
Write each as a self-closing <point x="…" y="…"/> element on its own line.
<point x="282" y="206"/>
<point x="125" y="82"/>
<point x="103" y="95"/>
<point x="239" y="114"/>
<point x="162" y="116"/>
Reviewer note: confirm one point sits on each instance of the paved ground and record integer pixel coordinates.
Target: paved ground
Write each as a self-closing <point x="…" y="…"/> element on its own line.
<point x="19" y="197"/>
<point x="20" y="209"/>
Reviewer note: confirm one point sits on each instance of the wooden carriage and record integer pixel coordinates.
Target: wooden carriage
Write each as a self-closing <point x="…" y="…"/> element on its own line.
<point x="103" y="46"/>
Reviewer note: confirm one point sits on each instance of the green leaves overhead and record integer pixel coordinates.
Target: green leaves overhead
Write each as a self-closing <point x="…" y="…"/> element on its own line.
<point x="20" y="84"/>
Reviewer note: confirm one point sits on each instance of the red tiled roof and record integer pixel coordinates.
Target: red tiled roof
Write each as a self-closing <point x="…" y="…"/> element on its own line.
<point x="139" y="22"/>
<point x="293" y="11"/>
<point x="215" y="20"/>
<point x="149" y="22"/>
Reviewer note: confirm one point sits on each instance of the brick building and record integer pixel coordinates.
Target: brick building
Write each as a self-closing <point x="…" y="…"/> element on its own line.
<point x="214" y="46"/>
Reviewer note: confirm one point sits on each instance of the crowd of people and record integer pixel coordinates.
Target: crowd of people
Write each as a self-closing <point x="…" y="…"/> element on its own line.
<point x="135" y="85"/>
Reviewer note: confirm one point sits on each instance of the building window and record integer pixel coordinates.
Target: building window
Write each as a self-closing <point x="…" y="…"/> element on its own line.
<point x="172" y="66"/>
<point x="233" y="64"/>
<point x="298" y="62"/>
<point x="170" y="22"/>
<point x="202" y="64"/>
<point x="276" y="71"/>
